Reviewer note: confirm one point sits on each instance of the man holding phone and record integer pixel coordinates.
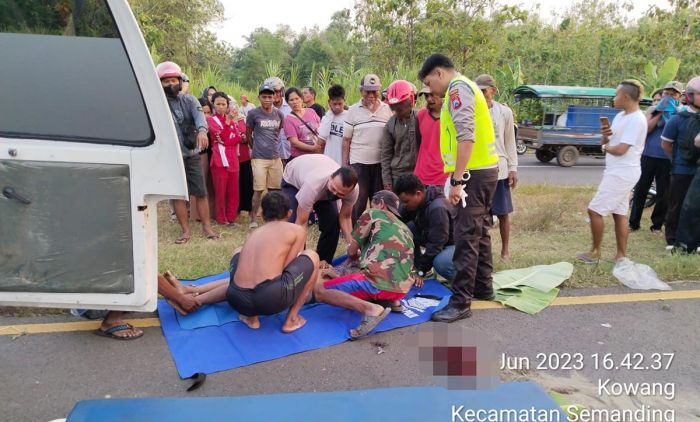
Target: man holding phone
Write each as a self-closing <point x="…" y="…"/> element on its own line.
<point x="622" y="143"/>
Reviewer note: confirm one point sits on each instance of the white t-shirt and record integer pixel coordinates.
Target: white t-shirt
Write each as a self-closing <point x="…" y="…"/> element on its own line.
<point x="628" y="129"/>
<point x="366" y="130"/>
<point x="331" y="130"/>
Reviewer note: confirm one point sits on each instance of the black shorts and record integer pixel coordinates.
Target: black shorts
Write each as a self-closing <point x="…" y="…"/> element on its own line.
<point x="271" y="296"/>
<point x="502" y="203"/>
<point x="194" y="176"/>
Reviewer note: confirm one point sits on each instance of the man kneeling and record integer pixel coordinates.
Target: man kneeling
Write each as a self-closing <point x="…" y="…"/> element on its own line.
<point x="271" y="273"/>
<point x="385" y="247"/>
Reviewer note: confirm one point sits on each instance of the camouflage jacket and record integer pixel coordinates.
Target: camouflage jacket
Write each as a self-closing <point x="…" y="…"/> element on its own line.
<point x="386" y="246"/>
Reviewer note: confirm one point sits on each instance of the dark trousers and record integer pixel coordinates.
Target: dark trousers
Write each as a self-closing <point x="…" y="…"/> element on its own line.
<point x="245" y="186"/>
<point x="369" y="181"/>
<point x="472" y="257"/>
<point x="676" y="196"/>
<point x="658" y="169"/>
<point x="688" y="233"/>
<point x="328" y="224"/>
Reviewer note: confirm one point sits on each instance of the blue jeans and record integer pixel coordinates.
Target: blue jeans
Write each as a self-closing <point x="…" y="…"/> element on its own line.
<point x="443" y="263"/>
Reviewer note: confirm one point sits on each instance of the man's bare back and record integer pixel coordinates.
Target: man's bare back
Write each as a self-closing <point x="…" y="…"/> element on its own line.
<point x="267" y="251"/>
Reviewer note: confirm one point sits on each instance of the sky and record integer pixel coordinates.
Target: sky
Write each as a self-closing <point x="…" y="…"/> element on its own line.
<point x="242" y="17"/>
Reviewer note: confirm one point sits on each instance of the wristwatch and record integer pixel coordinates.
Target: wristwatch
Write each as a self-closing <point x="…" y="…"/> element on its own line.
<point x="421" y="274"/>
<point x="454" y="182"/>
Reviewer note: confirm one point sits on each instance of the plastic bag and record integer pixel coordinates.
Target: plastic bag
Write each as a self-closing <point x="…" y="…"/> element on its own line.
<point x="638" y="276"/>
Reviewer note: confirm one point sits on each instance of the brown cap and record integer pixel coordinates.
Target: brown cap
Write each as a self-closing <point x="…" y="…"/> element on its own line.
<point x="484" y="81"/>
<point x="370" y="82"/>
<point x="391" y="201"/>
<point x="675" y="85"/>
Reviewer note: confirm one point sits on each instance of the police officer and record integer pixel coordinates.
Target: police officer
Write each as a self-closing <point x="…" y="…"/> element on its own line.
<point x="467" y="146"/>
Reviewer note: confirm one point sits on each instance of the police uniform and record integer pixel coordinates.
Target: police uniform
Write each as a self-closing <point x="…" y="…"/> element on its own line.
<point x="465" y="117"/>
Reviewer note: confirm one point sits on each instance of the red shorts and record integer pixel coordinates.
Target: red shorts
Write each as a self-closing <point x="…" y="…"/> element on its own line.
<point x="359" y="286"/>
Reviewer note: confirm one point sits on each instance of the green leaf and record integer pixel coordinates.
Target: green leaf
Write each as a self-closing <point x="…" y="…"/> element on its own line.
<point x="668" y="70"/>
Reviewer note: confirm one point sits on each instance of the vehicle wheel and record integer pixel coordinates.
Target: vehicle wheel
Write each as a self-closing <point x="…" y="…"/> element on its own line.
<point x="520" y="148"/>
<point x="544" y="155"/>
<point x="567" y="156"/>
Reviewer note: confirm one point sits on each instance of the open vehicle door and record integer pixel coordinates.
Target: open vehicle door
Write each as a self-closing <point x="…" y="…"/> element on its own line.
<point x="87" y="149"/>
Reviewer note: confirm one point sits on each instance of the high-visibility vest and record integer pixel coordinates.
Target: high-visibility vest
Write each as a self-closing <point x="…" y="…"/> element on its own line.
<point x="484" y="153"/>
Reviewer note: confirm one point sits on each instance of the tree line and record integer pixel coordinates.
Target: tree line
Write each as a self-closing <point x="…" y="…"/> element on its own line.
<point x="593" y="43"/>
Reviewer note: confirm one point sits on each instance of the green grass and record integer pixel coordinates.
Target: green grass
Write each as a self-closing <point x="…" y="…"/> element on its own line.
<point x="549" y="225"/>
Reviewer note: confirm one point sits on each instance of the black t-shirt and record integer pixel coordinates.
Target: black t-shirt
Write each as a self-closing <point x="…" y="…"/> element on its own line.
<point x="318" y="108"/>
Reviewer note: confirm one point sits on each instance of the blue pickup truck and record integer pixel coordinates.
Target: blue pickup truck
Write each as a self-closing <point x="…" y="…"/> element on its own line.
<point x="566" y="123"/>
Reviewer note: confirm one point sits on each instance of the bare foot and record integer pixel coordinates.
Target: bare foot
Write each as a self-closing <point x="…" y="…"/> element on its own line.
<point x="252" y="322"/>
<point x="170" y="278"/>
<point x="182" y="288"/>
<point x="293" y="324"/>
<point x="505" y="256"/>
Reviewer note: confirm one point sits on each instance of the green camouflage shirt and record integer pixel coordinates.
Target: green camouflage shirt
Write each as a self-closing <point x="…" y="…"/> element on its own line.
<point x="386" y="246"/>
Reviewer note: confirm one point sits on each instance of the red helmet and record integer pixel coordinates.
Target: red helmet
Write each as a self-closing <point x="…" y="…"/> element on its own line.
<point x="400" y="91"/>
<point x="168" y="70"/>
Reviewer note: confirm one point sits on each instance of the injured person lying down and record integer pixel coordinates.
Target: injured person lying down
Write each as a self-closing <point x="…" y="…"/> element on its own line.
<point x="271" y="273"/>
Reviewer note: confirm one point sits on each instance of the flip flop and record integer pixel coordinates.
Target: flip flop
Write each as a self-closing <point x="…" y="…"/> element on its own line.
<point x="368" y="324"/>
<point x="586" y="258"/>
<point x="182" y="240"/>
<point x="213" y="236"/>
<point x="109" y="333"/>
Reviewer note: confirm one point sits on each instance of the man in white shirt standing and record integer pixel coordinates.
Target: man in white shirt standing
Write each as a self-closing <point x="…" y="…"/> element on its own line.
<point x="622" y="143"/>
<point x="504" y="129"/>
<point x="331" y="129"/>
<point x="362" y="140"/>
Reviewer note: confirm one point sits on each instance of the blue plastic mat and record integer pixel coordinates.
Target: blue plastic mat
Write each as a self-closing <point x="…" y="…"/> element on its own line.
<point x="424" y="404"/>
<point x="222" y="342"/>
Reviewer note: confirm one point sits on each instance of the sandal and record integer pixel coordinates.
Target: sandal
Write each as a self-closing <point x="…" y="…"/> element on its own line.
<point x="586" y="258"/>
<point x="368" y="324"/>
<point x="182" y="240"/>
<point x="212" y="236"/>
<point x="109" y="333"/>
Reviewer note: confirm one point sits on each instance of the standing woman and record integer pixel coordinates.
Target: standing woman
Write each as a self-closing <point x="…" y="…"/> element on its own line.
<point x="301" y="126"/>
<point x="225" y="137"/>
<point x="245" y="181"/>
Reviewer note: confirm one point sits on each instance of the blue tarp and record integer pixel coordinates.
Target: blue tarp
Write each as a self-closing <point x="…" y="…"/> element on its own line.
<point x="421" y="404"/>
<point x="222" y="342"/>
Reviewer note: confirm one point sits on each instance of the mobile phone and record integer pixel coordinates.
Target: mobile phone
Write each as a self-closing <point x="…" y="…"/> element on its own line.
<point x="604" y="121"/>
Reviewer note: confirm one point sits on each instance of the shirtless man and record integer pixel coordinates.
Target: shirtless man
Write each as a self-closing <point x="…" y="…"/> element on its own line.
<point x="271" y="273"/>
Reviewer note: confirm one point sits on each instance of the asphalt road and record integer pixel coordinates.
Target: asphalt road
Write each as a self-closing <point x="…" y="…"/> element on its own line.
<point x="44" y="375"/>
<point x="588" y="171"/>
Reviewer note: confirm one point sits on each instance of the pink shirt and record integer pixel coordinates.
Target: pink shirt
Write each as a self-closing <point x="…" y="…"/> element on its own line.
<point x="294" y="127"/>
<point x="310" y="174"/>
<point x="429" y="166"/>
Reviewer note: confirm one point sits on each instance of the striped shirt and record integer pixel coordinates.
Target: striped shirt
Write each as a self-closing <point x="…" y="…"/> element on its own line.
<point x="366" y="129"/>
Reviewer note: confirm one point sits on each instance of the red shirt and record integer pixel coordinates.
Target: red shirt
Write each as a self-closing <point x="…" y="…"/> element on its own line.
<point x="429" y="166"/>
<point x="219" y="132"/>
<point x="243" y="149"/>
